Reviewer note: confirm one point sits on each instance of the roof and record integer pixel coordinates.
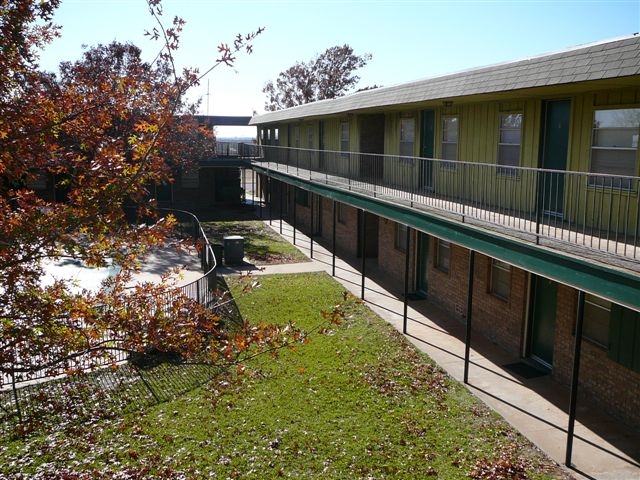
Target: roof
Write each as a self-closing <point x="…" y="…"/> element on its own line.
<point x="603" y="60"/>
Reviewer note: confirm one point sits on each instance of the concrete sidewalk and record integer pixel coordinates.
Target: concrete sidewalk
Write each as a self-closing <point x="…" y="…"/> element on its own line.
<point x="537" y="407"/>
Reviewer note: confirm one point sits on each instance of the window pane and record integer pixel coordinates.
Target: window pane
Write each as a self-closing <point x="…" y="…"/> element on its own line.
<point x="509" y="155"/>
<point x="450" y="151"/>
<point x="450" y="129"/>
<point x="407" y="130"/>
<point x="401" y="237"/>
<point x="624" y="117"/>
<point x="500" y="279"/>
<point x="615" y="141"/>
<point x="597" y="313"/>
<point x="442" y="258"/>
<point x="613" y="162"/>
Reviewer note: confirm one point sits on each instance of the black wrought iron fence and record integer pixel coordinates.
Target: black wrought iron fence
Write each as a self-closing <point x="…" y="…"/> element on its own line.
<point x="203" y="290"/>
<point x="588" y="210"/>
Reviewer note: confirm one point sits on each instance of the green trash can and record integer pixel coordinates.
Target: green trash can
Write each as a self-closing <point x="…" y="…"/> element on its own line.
<point x="233" y="246"/>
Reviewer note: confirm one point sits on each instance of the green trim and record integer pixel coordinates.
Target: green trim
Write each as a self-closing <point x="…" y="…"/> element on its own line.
<point x="617" y="286"/>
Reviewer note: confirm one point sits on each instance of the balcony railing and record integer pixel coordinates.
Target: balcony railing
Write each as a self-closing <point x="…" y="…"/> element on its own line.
<point x="584" y="213"/>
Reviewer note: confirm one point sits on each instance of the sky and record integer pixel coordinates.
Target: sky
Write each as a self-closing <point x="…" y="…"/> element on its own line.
<point x="408" y="39"/>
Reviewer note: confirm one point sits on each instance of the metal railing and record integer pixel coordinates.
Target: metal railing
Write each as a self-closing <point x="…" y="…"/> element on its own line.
<point x="236" y="149"/>
<point x="579" y="210"/>
<point x="203" y="290"/>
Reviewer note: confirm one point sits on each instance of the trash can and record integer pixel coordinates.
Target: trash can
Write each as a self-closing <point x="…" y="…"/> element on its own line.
<point x="233" y="246"/>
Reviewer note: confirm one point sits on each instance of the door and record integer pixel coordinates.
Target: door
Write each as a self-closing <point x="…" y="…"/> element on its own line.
<point x="543" y="320"/>
<point x="372" y="143"/>
<point x="422" y="265"/>
<point x="554" y="148"/>
<point x="427" y="141"/>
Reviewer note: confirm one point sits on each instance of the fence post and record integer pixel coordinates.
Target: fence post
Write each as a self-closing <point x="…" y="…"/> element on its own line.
<point x="15" y="396"/>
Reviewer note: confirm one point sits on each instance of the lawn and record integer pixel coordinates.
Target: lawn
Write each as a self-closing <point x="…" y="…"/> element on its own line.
<point x="261" y="244"/>
<point x="356" y="401"/>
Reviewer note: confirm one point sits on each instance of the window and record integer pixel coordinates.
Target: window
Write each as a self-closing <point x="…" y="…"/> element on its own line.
<point x="510" y="139"/>
<point x="309" y="136"/>
<point x="344" y="136"/>
<point x="597" y="315"/>
<point x="614" y="145"/>
<point x="401" y="237"/>
<point x="342" y="213"/>
<point x="449" y="144"/>
<point x="443" y="253"/>
<point x="302" y="197"/>
<point x="407" y="137"/>
<point x="500" y="282"/>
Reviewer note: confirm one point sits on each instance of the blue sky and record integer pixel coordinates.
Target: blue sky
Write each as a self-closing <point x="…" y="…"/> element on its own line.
<point x="408" y="39"/>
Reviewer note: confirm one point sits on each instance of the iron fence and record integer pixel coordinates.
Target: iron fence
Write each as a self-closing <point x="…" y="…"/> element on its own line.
<point x="591" y="211"/>
<point x="203" y="290"/>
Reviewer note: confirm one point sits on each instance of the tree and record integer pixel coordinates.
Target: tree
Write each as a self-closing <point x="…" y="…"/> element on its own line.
<point x="106" y="128"/>
<point x="329" y="75"/>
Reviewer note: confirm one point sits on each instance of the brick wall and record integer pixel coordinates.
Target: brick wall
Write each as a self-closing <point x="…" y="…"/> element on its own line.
<point x="605" y="382"/>
<point x="391" y="260"/>
<point x="501" y="320"/>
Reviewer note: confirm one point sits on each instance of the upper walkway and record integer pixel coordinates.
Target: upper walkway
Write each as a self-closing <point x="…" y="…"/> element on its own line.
<point x="576" y="228"/>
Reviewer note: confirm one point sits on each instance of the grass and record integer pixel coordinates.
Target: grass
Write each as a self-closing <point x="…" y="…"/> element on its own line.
<point x="261" y="244"/>
<point x="357" y="401"/>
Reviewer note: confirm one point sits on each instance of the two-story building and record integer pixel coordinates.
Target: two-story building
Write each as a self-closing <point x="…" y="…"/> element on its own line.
<point x="520" y="180"/>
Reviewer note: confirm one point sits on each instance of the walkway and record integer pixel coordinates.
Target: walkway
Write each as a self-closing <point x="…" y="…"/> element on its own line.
<point x="603" y="448"/>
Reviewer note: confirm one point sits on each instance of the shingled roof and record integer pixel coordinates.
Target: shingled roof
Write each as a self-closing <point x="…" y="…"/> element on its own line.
<point x="609" y="59"/>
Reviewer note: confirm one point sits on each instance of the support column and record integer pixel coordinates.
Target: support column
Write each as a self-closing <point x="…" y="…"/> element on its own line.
<point x="333" y="240"/>
<point x="260" y="193"/>
<point x="406" y="281"/>
<point x="281" y="204"/>
<point x="269" y="187"/>
<point x="577" y="347"/>
<point x="295" y="214"/>
<point x="467" y="346"/>
<point x="311" y="229"/>
<point x="363" y="224"/>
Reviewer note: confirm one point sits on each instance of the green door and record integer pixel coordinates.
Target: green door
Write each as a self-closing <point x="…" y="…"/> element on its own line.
<point x="427" y="149"/>
<point x="554" y="148"/>
<point x="543" y="320"/>
<point x="422" y="264"/>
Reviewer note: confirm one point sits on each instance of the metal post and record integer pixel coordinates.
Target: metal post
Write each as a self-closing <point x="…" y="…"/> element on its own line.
<point x="406" y="281"/>
<point x="281" y="204"/>
<point x="295" y="215"/>
<point x="260" y="193"/>
<point x="311" y="229"/>
<point x="363" y="223"/>
<point x="574" y="377"/>
<point x="333" y="240"/>
<point x="269" y="187"/>
<point x="467" y="346"/>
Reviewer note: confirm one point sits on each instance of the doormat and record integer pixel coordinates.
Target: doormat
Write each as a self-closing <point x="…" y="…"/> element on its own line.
<point x="525" y="370"/>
